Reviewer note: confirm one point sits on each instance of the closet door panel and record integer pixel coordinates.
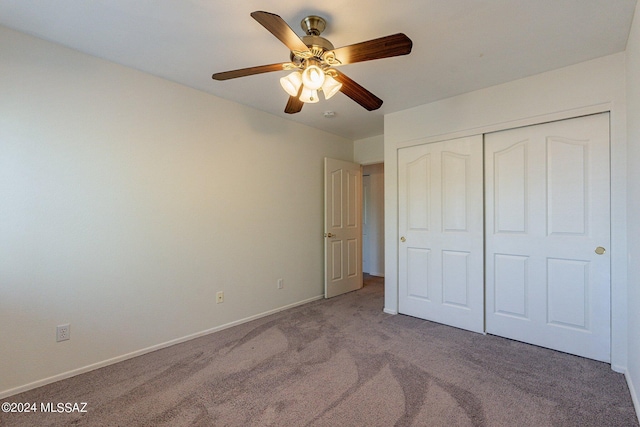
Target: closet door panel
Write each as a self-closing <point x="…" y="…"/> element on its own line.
<point x="441" y="227"/>
<point x="547" y="234"/>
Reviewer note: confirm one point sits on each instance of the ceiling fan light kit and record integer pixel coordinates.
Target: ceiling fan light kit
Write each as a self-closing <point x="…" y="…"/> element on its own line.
<point x="313" y="75"/>
<point x="309" y="96"/>
<point x="291" y="83"/>
<point x="330" y="86"/>
<point x="294" y="81"/>
<point x="312" y="59"/>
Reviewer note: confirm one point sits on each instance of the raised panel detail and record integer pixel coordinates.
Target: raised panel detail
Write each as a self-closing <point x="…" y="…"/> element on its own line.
<point x="510" y="285"/>
<point x="418" y="191"/>
<point x="352" y="199"/>
<point x="418" y="260"/>
<point x="352" y="257"/>
<point x="568" y="293"/>
<point x="455" y="278"/>
<point x="454" y="191"/>
<point x="336" y="255"/>
<point x="336" y="199"/>
<point x="510" y="189"/>
<point x="566" y="186"/>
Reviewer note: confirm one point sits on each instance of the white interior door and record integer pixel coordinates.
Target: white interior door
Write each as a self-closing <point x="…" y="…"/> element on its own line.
<point x="547" y="213"/>
<point x="343" y="227"/>
<point x="440" y="216"/>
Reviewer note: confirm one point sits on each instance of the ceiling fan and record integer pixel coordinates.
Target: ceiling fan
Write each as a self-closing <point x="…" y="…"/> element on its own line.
<point x="313" y="59"/>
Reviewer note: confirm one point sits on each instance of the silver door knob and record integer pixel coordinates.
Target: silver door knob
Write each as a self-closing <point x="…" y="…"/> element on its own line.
<point x="600" y="250"/>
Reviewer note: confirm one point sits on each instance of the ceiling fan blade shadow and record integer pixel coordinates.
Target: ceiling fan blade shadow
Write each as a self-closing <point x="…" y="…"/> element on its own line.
<point x="226" y="75"/>
<point x="294" y="105"/>
<point x="359" y="94"/>
<point x="279" y="28"/>
<point x="384" y="47"/>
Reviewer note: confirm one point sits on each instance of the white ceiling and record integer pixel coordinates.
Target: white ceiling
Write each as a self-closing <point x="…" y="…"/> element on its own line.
<point x="458" y="45"/>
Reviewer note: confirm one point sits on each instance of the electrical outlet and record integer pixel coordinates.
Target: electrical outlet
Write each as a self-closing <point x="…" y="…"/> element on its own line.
<point x="219" y="297"/>
<point x="280" y="284"/>
<point x="63" y="332"/>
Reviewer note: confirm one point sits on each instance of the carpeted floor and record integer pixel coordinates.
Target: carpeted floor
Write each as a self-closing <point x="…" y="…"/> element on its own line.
<point x="342" y="362"/>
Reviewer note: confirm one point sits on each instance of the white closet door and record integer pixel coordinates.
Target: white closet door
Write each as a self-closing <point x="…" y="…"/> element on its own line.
<point x="547" y="224"/>
<point x="441" y="224"/>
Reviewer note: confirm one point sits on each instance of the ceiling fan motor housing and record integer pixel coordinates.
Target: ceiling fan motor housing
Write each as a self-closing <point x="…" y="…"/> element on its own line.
<point x="318" y="46"/>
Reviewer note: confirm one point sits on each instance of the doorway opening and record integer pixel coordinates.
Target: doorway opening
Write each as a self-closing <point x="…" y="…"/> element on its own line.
<point x="373" y="219"/>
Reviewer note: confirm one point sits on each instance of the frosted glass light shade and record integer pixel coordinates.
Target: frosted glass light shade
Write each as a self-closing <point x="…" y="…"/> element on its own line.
<point x="313" y="77"/>
<point x="330" y="86"/>
<point x="309" y="95"/>
<point x="291" y="83"/>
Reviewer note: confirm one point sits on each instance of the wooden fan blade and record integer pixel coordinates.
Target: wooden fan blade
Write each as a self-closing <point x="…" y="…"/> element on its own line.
<point x="226" y="75"/>
<point x="384" y="47"/>
<point x="279" y="28"/>
<point x="294" y="105"/>
<point x="359" y="94"/>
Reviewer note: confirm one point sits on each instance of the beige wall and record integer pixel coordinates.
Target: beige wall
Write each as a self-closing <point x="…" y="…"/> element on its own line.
<point x="128" y="201"/>
<point x="369" y="151"/>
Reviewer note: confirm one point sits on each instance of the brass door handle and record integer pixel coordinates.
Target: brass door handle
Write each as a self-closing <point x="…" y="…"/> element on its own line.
<point x="402" y="239"/>
<point x="600" y="250"/>
<point x="329" y="235"/>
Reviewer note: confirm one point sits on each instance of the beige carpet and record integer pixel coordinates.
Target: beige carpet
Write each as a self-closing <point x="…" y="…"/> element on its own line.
<point x="342" y="362"/>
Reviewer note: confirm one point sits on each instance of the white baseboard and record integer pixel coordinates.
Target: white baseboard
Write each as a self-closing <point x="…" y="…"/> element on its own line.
<point x="619" y="369"/>
<point x="635" y="393"/>
<point x="93" y="366"/>
<point x="389" y="311"/>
